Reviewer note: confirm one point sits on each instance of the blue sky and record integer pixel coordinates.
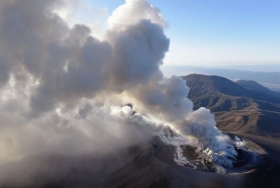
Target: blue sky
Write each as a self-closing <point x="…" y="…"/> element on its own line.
<point x="218" y="32"/>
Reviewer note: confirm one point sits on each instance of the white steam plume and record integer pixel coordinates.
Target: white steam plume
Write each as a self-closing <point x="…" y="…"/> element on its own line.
<point x="133" y="11"/>
<point x="58" y="85"/>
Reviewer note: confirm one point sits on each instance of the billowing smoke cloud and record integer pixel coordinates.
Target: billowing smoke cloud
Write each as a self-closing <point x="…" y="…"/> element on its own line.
<point x="133" y="11"/>
<point x="60" y="87"/>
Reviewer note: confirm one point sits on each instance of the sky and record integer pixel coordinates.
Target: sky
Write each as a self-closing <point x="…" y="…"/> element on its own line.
<point x="216" y="32"/>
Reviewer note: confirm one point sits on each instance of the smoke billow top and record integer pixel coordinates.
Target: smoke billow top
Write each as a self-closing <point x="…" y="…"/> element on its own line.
<point x="63" y="91"/>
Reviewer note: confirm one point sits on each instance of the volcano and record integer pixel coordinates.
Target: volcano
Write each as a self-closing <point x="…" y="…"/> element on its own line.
<point x="153" y="166"/>
<point x="67" y="118"/>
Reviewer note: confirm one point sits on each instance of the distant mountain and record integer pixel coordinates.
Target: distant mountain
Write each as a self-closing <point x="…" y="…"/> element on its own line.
<point x="255" y="86"/>
<point x="268" y="79"/>
<point x="235" y="107"/>
<point x="204" y="84"/>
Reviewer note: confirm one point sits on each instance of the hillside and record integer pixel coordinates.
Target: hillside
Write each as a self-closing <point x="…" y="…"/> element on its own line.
<point x="236" y="108"/>
<point x="255" y="86"/>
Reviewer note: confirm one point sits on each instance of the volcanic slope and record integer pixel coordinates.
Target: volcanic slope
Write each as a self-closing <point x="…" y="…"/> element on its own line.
<point x="244" y="112"/>
<point x="236" y="108"/>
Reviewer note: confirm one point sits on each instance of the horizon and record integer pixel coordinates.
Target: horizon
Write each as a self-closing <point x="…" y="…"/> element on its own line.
<point x="272" y="68"/>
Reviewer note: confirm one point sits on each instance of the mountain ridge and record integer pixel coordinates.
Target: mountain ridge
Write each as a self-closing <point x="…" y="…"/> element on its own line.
<point x="255" y="86"/>
<point x="235" y="107"/>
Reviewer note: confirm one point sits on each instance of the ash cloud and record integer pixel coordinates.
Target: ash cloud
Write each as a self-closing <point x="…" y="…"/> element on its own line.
<point x="60" y="87"/>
